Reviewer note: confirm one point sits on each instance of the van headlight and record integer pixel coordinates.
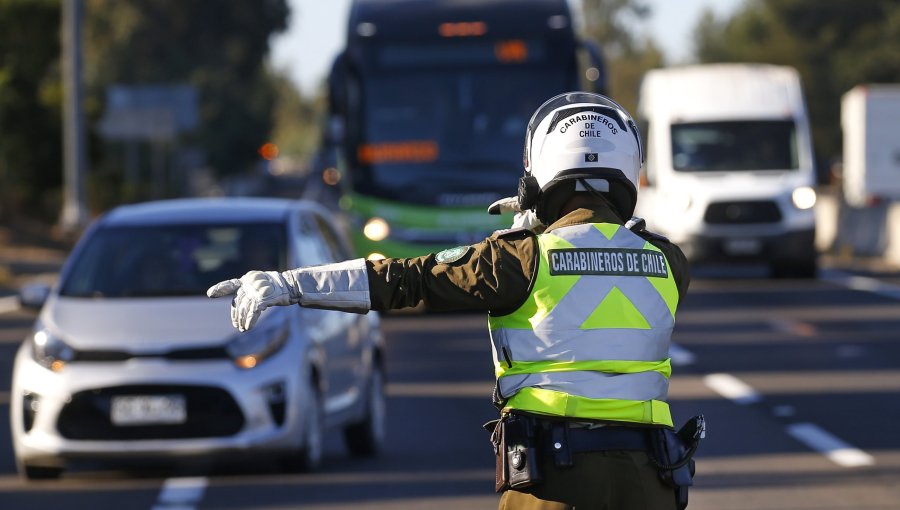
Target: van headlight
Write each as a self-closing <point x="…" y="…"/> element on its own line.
<point x="255" y="346"/>
<point x="50" y="351"/>
<point x="804" y="198"/>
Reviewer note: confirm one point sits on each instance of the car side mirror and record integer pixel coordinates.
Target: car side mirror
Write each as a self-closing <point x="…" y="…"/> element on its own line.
<point x="34" y="295"/>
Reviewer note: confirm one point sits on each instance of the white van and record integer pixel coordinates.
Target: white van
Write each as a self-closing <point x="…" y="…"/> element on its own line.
<point x="730" y="167"/>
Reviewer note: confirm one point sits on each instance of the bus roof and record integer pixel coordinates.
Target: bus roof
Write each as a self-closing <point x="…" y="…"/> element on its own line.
<point x="421" y="19"/>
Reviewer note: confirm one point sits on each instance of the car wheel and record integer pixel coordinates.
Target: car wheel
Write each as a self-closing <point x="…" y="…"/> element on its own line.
<point x="309" y="457"/>
<point x="30" y="472"/>
<point x="365" y="438"/>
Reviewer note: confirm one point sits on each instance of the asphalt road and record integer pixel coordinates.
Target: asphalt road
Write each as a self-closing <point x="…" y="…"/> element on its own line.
<point x="799" y="381"/>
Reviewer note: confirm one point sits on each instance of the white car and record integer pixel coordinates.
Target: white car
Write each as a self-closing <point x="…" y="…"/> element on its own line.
<point x="129" y="358"/>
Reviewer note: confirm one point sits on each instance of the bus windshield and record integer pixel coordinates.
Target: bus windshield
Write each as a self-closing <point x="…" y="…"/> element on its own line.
<point x="734" y="145"/>
<point x="430" y="134"/>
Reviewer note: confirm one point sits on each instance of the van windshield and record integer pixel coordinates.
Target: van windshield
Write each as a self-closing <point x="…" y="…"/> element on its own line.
<point x="734" y="146"/>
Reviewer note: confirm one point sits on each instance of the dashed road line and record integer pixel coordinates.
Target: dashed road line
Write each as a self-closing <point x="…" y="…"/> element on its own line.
<point x="181" y="493"/>
<point x="681" y="356"/>
<point x="732" y="388"/>
<point x="9" y="304"/>
<point x="861" y="283"/>
<point x="838" y="451"/>
<point x="810" y="434"/>
<point x="793" y="327"/>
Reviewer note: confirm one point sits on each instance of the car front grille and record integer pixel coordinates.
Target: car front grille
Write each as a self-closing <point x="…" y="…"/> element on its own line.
<point x="758" y="211"/>
<point x="211" y="412"/>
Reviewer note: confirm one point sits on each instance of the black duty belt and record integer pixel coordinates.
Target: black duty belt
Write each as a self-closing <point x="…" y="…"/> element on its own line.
<point x="563" y="441"/>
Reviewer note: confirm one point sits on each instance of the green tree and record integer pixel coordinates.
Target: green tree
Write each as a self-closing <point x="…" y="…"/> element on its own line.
<point x="30" y="108"/>
<point x="218" y="47"/>
<point x="834" y="44"/>
<point x="298" y="120"/>
<point x="611" y="23"/>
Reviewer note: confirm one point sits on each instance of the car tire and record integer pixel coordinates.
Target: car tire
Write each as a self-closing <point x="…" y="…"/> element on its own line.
<point x="365" y="438"/>
<point x="308" y="457"/>
<point x="29" y="472"/>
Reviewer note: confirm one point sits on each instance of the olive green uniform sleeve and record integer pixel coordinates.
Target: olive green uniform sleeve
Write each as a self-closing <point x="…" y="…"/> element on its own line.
<point x="677" y="262"/>
<point x="494" y="275"/>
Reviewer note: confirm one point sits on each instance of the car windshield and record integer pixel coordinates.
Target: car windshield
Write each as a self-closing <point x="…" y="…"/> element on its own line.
<point x="174" y="260"/>
<point x="734" y="145"/>
<point x="449" y="131"/>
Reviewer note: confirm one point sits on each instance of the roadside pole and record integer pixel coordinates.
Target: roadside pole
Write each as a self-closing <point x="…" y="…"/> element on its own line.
<point x="74" y="211"/>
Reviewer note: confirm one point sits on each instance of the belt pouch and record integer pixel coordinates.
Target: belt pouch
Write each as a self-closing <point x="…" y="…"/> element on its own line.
<point x="501" y="471"/>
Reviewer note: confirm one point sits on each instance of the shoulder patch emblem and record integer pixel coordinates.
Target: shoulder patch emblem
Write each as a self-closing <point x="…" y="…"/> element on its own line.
<point x="451" y="255"/>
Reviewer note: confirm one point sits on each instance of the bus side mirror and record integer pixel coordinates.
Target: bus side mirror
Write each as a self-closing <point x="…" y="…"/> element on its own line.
<point x="595" y="73"/>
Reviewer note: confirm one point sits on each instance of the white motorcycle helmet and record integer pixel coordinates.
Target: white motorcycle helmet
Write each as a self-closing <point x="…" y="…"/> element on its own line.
<point x="580" y="141"/>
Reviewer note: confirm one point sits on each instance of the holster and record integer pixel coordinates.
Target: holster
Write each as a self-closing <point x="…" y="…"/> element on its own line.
<point x="518" y="455"/>
<point x="673" y="455"/>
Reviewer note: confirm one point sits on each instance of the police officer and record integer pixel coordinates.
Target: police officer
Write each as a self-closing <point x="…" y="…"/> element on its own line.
<point x="581" y="314"/>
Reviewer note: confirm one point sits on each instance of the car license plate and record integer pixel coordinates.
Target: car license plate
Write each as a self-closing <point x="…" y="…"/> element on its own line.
<point x="148" y="410"/>
<point x="743" y="246"/>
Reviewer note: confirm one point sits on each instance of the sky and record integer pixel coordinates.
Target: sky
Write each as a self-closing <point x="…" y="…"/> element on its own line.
<point x="317" y="31"/>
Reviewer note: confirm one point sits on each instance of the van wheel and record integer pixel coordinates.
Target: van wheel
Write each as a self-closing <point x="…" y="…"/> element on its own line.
<point x="366" y="438"/>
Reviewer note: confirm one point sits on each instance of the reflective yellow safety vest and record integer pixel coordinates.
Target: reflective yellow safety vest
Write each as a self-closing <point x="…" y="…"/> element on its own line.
<point x="592" y="339"/>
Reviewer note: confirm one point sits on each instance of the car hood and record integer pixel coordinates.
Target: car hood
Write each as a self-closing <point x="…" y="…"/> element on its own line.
<point x="139" y="325"/>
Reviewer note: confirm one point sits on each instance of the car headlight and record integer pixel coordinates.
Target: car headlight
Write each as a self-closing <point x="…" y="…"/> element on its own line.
<point x="50" y="351"/>
<point x="255" y="346"/>
<point x="377" y="229"/>
<point x="804" y="198"/>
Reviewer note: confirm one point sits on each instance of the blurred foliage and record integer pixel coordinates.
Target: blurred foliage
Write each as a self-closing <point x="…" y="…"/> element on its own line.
<point x="30" y="107"/>
<point x="834" y="44"/>
<point x="298" y="120"/>
<point x="220" y="48"/>
<point x="217" y="47"/>
<point x="611" y="23"/>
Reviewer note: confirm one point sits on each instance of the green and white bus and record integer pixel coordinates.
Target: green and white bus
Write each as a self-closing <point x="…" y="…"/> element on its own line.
<point x="429" y="103"/>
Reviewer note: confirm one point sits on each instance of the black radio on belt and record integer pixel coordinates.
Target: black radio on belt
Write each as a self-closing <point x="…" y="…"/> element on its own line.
<point x="522" y="452"/>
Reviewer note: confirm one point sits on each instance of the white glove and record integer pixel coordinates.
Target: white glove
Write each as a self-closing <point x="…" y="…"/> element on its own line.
<point x="254" y="292"/>
<point x="522" y="219"/>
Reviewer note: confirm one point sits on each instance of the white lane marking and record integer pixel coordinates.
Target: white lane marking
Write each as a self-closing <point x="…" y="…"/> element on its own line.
<point x="9" y="304"/>
<point x="784" y="411"/>
<point x="181" y="493"/>
<point x="838" y="451"/>
<point x="850" y="351"/>
<point x="681" y="356"/>
<point x="792" y="327"/>
<point x="861" y="283"/>
<point x="732" y="388"/>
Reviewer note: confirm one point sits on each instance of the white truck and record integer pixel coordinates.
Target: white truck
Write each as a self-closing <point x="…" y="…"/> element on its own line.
<point x="870" y="121"/>
<point x="730" y="168"/>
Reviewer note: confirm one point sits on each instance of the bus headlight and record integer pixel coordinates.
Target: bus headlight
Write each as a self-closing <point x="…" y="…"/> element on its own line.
<point x="804" y="198"/>
<point x="50" y="351"/>
<point x="377" y="229"/>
